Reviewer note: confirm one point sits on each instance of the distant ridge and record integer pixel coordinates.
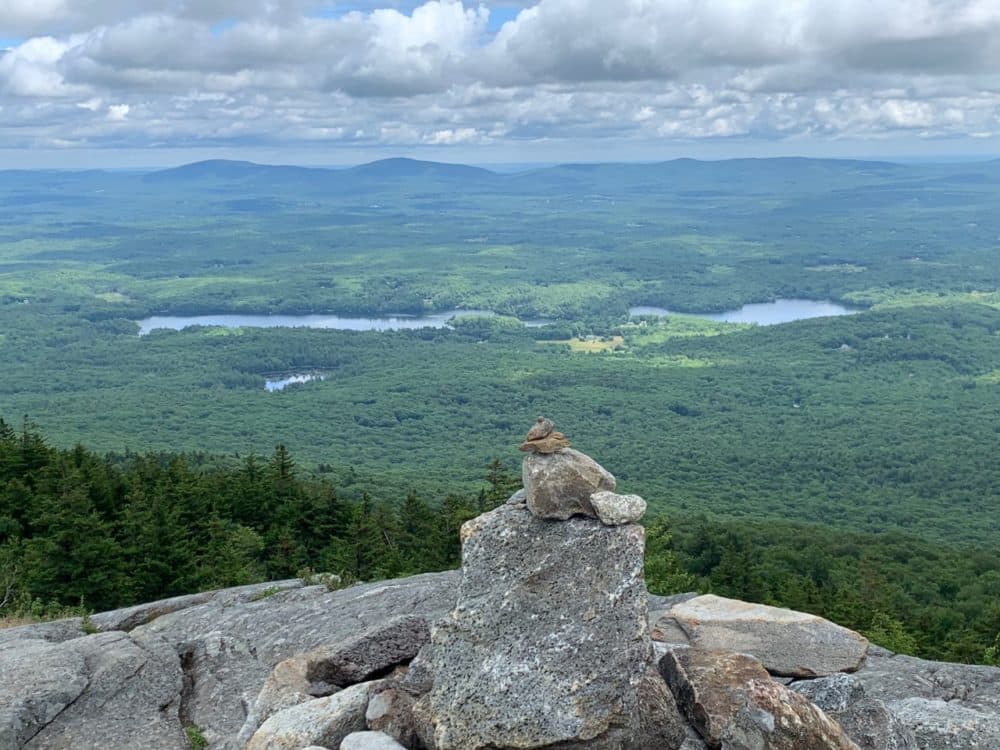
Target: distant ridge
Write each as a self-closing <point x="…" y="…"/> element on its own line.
<point x="401" y="167"/>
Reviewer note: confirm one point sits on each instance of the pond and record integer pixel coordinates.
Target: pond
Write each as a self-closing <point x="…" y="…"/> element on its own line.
<point x="388" y="323"/>
<point x="761" y="313"/>
<point x="279" y="385"/>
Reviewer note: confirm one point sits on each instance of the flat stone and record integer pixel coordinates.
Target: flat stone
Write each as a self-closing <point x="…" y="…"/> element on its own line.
<point x="548" y="641"/>
<point x="613" y="509"/>
<point x="734" y="704"/>
<point x="559" y="485"/>
<point x="551" y="443"/>
<point x="787" y="643"/>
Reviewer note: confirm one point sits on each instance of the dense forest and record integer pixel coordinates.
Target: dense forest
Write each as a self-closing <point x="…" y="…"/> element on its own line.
<point x="82" y="532"/>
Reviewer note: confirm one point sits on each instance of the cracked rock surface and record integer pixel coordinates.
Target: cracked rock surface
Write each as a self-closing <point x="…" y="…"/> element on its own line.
<point x="196" y="660"/>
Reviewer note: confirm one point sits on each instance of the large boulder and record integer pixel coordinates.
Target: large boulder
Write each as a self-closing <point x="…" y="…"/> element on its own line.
<point x="321" y="721"/>
<point x="548" y="642"/>
<point x="102" y="690"/>
<point x="787" y="643"/>
<point x="559" y="485"/>
<point x="866" y="719"/>
<point x="734" y="704"/>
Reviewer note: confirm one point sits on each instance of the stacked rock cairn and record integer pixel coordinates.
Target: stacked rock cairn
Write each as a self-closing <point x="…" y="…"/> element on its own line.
<point x="548" y="643"/>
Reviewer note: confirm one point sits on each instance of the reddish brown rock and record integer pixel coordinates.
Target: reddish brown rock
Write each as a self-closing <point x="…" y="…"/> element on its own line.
<point x="734" y="704"/>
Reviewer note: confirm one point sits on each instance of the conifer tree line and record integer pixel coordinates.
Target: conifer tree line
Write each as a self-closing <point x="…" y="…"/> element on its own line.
<point x="84" y="532"/>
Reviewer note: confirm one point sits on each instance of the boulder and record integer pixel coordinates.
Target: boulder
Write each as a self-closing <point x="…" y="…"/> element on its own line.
<point x="734" y="704"/>
<point x="370" y="653"/>
<point x="369" y="741"/>
<point x="321" y="721"/>
<point x="327" y="669"/>
<point x="865" y="719"/>
<point x="102" y="690"/>
<point x="548" y="641"/>
<point x="559" y="485"/>
<point x="787" y="643"/>
<point x="390" y="710"/>
<point x="613" y="509"/>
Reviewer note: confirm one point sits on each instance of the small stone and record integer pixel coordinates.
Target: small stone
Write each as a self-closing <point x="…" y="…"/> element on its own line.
<point x="518" y="498"/>
<point x="369" y="741"/>
<point x="542" y="427"/>
<point x="614" y="509"/>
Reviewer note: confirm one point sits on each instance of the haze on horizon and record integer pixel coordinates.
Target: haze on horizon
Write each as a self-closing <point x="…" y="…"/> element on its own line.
<point x="115" y="83"/>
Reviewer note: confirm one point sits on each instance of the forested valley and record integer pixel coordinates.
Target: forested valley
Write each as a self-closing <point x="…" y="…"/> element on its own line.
<point x="80" y="532"/>
<point x="839" y="465"/>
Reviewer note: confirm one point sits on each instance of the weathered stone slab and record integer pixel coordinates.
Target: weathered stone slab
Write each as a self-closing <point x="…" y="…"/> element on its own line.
<point x="939" y="725"/>
<point x="865" y="719"/>
<point x="548" y="641"/>
<point x="103" y="690"/>
<point x="559" y="485"/>
<point x="734" y="704"/>
<point x="787" y="643"/>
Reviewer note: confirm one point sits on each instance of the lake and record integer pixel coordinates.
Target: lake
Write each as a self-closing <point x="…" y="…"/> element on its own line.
<point x="761" y="313"/>
<point x="389" y="323"/>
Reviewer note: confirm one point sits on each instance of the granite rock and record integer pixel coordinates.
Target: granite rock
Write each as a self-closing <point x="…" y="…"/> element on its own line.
<point x="548" y="641"/>
<point x="321" y="721"/>
<point x="613" y="509"/>
<point x="865" y="719"/>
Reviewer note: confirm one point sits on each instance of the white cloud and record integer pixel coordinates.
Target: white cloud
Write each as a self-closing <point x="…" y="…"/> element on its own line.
<point x="438" y="72"/>
<point x="118" y="112"/>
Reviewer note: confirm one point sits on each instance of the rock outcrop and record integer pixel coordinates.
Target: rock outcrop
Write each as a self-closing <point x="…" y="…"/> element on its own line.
<point x="865" y="719"/>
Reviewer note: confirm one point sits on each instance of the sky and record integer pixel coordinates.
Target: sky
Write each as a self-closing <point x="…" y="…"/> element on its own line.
<point x="138" y="83"/>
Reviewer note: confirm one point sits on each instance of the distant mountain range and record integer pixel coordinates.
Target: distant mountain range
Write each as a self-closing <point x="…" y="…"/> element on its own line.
<point x="801" y="175"/>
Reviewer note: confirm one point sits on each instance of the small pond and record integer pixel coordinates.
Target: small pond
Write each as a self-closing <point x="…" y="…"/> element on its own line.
<point x="279" y="385"/>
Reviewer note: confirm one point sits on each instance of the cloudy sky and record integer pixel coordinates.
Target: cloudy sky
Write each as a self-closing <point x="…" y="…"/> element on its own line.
<point x="151" y="82"/>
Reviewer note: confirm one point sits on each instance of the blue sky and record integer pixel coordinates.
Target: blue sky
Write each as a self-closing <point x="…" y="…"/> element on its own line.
<point x="119" y="83"/>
